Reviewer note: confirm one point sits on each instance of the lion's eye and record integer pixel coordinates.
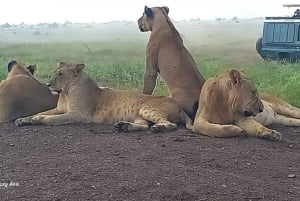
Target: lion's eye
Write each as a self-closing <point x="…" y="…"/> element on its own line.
<point x="59" y="74"/>
<point x="254" y="93"/>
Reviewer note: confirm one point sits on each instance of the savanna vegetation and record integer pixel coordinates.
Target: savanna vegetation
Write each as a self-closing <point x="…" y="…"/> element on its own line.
<point x="114" y="52"/>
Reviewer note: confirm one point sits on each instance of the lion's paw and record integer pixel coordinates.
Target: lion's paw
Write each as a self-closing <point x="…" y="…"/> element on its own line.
<point x="121" y="126"/>
<point x="243" y="132"/>
<point x="23" y="121"/>
<point x="156" y="128"/>
<point x="272" y="135"/>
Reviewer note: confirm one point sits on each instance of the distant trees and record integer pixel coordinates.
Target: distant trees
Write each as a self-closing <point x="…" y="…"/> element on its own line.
<point x="236" y="19"/>
<point x="5" y="26"/>
<point x="220" y="18"/>
<point x="22" y="25"/>
<point x="36" y="33"/>
<point x="67" y="23"/>
<point x="54" y="25"/>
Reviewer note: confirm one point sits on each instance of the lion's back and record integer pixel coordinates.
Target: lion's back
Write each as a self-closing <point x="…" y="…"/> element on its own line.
<point x="116" y="105"/>
<point x="22" y="96"/>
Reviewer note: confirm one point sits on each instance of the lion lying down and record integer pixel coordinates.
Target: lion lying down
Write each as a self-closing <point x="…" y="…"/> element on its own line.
<point x="228" y="103"/>
<point x="82" y="101"/>
<point x="22" y="95"/>
<point x="278" y="111"/>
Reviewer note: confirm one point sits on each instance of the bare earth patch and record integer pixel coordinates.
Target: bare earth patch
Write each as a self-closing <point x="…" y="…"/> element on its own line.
<point x="91" y="162"/>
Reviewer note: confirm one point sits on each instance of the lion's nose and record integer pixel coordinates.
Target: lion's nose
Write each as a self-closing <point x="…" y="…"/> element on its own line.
<point x="48" y="84"/>
<point x="248" y="114"/>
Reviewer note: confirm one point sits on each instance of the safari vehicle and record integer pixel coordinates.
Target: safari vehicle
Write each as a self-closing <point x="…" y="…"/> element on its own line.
<point x="281" y="37"/>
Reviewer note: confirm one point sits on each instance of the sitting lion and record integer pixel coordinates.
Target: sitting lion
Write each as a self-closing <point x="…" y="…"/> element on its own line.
<point x="82" y="101"/>
<point x="22" y="95"/>
<point x="167" y="56"/>
<point x="227" y="105"/>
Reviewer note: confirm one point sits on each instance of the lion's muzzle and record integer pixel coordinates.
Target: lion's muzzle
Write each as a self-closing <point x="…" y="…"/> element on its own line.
<point x="141" y="25"/>
<point x="248" y="114"/>
<point x="141" y="29"/>
<point x="55" y="91"/>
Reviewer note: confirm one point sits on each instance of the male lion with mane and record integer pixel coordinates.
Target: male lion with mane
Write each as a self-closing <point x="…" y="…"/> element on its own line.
<point x="22" y="95"/>
<point x="227" y="105"/>
<point x="167" y="56"/>
<point x="82" y="101"/>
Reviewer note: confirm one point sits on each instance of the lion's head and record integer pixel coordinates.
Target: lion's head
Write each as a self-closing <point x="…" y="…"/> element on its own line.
<point x="14" y="68"/>
<point x="233" y="92"/>
<point x="66" y="74"/>
<point x="146" y="21"/>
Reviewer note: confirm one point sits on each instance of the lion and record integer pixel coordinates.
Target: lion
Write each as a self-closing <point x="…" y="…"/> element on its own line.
<point x="21" y="94"/>
<point x="82" y="101"/>
<point x="167" y="56"/>
<point x="227" y="105"/>
<point x="278" y="111"/>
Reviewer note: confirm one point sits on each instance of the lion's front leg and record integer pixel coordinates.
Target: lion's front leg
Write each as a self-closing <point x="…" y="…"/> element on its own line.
<point x="202" y="126"/>
<point x="254" y="128"/>
<point x="150" y="75"/>
<point x="60" y="119"/>
<point x="54" y="111"/>
<point x="42" y="115"/>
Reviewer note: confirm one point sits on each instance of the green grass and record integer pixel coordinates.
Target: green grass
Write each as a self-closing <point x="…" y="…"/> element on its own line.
<point x="116" y="57"/>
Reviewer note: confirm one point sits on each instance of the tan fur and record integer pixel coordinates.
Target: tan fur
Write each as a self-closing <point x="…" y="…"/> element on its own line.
<point x="278" y="111"/>
<point x="167" y="56"/>
<point x="82" y="101"/>
<point x="22" y="95"/>
<point x="225" y="106"/>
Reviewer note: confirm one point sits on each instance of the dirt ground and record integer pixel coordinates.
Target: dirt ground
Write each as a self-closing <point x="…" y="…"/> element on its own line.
<point x="92" y="162"/>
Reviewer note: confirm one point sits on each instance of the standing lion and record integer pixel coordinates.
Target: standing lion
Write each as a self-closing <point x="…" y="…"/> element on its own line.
<point x="167" y="56"/>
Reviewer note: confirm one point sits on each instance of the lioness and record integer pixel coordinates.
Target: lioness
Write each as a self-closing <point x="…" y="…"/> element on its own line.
<point x="226" y="106"/>
<point x="166" y="55"/>
<point x="22" y="95"/>
<point x="82" y="101"/>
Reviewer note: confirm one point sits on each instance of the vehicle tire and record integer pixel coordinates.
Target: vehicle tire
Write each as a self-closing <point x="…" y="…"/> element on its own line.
<point x="285" y="57"/>
<point x="259" y="46"/>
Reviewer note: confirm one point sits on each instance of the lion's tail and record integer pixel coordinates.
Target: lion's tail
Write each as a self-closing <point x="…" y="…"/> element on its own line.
<point x="185" y="119"/>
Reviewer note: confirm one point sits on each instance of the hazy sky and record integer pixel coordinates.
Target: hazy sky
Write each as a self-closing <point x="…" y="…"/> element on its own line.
<point x="35" y="11"/>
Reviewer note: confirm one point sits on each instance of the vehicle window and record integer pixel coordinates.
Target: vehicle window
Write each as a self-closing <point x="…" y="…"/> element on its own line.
<point x="280" y="32"/>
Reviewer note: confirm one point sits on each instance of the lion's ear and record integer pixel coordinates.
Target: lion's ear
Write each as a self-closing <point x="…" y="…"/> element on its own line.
<point x="148" y="12"/>
<point x="11" y="64"/>
<point x="60" y="64"/>
<point x="31" y="68"/>
<point x="166" y="9"/>
<point x="79" y="67"/>
<point x="235" y="76"/>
